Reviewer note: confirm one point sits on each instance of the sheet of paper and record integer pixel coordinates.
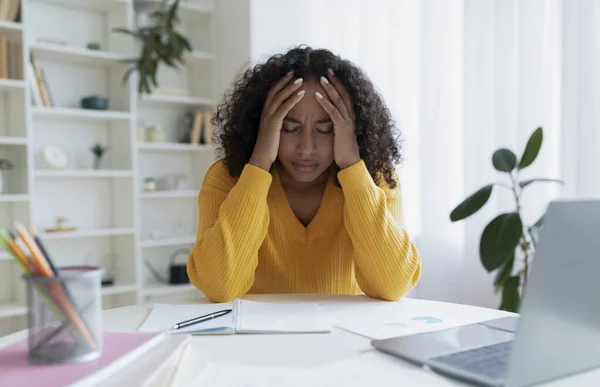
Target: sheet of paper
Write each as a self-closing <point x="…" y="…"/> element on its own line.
<point x="256" y="317"/>
<point x="383" y="319"/>
<point x="164" y="316"/>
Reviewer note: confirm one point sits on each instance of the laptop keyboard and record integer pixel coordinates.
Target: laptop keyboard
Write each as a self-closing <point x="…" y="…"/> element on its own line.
<point x="490" y="361"/>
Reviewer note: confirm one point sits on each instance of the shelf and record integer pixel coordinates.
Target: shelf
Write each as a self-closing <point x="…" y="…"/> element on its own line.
<point x="177" y="100"/>
<point x="9" y="198"/>
<point x="175" y="194"/>
<point x="199" y="56"/>
<point x="117" y="289"/>
<point x="11" y="85"/>
<point x="175" y="147"/>
<point x="169" y="242"/>
<point x="11" y="30"/>
<point x="187" y="10"/>
<point x="89" y="5"/>
<point x="13" y="141"/>
<point x="89" y="233"/>
<point x="12" y="310"/>
<point x="56" y="52"/>
<point x="85" y="173"/>
<point x="159" y="289"/>
<point x="76" y="113"/>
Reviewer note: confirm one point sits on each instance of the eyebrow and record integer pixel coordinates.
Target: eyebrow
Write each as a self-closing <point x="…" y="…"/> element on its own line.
<point x="321" y="121"/>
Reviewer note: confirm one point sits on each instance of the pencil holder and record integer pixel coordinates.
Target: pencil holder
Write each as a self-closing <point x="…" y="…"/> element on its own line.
<point x="65" y="316"/>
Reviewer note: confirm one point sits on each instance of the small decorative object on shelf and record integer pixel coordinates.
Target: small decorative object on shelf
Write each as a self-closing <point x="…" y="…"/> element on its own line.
<point x="61" y="225"/>
<point x="94" y="46"/>
<point x="161" y="42"/>
<point x="98" y="151"/>
<point x="149" y="184"/>
<point x="5" y="165"/>
<point x="155" y="134"/>
<point x="53" y="157"/>
<point x="94" y="102"/>
<point x="177" y="271"/>
<point x="172" y="182"/>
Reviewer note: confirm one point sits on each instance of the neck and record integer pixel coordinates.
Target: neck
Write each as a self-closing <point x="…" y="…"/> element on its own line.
<point x="289" y="183"/>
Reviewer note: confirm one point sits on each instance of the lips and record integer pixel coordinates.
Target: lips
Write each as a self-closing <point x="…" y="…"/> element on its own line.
<point x="304" y="166"/>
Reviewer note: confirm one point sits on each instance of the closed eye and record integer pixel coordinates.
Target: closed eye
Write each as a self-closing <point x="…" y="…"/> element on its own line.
<point x="325" y="130"/>
<point x="290" y="130"/>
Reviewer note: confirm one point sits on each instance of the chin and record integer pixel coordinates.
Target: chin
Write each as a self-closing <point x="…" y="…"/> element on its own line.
<point x="304" y="174"/>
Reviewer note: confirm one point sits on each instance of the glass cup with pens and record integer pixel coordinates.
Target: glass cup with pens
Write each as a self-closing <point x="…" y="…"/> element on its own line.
<point x="64" y="305"/>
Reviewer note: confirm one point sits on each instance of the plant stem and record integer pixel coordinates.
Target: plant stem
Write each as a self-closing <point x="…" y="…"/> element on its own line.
<point x="524" y="244"/>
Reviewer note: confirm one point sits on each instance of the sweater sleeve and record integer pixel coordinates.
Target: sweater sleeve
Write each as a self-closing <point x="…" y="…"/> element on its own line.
<point x="232" y="225"/>
<point x="387" y="264"/>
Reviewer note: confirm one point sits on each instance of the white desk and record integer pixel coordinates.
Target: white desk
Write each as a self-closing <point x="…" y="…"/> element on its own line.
<point x="307" y="350"/>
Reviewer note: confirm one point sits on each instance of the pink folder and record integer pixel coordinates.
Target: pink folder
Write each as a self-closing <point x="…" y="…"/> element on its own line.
<point x="16" y="371"/>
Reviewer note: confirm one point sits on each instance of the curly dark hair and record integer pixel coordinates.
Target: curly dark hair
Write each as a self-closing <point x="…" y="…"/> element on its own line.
<point x="238" y="116"/>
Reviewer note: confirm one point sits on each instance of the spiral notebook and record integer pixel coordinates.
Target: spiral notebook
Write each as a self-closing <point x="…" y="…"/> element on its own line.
<point x="246" y="317"/>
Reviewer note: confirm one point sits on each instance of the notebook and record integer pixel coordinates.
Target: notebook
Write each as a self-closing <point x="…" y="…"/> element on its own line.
<point x="246" y="317"/>
<point x="120" y="349"/>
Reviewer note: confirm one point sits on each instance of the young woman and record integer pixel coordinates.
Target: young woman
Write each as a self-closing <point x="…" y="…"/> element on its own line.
<point x="305" y="198"/>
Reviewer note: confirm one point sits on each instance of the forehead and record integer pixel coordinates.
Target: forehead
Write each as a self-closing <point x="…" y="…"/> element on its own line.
<point x="309" y="107"/>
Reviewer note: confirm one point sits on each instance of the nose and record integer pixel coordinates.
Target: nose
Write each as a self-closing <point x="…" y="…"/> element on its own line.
<point x="306" y="145"/>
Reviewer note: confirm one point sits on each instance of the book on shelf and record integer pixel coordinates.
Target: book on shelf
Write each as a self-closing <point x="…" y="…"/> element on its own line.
<point x="9" y="9"/>
<point x="11" y="59"/>
<point x="3" y="57"/>
<point x="196" y="128"/>
<point x="36" y="96"/>
<point x="40" y="80"/>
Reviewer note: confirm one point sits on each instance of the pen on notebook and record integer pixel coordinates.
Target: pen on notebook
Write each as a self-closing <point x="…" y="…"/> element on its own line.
<point x="200" y="319"/>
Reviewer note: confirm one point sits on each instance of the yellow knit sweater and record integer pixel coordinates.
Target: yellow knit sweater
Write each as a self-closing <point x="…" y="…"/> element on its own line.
<point x="249" y="239"/>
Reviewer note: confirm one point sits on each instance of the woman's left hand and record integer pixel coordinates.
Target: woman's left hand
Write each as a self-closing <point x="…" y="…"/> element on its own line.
<point x="338" y="105"/>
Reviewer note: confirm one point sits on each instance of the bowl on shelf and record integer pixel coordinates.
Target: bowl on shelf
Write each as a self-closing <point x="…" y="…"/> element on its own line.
<point x="94" y="102"/>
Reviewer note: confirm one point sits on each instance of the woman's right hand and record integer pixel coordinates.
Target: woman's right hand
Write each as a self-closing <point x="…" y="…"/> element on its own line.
<point x="280" y="100"/>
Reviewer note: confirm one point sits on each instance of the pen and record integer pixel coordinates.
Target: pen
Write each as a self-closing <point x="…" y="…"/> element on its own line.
<point x="200" y="319"/>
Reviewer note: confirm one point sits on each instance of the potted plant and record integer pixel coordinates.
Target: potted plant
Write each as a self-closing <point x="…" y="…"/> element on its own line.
<point x="98" y="150"/>
<point x="507" y="241"/>
<point x="5" y="165"/>
<point x="160" y="43"/>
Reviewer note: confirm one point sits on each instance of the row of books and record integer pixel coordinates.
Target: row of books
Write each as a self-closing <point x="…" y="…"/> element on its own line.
<point x="9" y="9"/>
<point x="11" y="58"/>
<point x="202" y="129"/>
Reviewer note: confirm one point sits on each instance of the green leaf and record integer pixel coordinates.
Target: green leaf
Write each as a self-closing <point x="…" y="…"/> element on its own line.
<point x="510" y="295"/>
<point x="504" y="160"/>
<point x="525" y="183"/>
<point x="532" y="148"/>
<point x="472" y="204"/>
<point x="504" y="273"/>
<point x="499" y="240"/>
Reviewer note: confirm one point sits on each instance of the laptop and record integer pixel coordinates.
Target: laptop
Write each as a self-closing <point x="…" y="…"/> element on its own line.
<point x="558" y="330"/>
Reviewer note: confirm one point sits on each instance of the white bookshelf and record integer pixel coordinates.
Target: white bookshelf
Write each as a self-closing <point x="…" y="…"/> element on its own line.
<point x="83" y="174"/>
<point x="113" y="216"/>
<point x="10" y="85"/>
<point x="80" y="114"/>
<point x="169" y="242"/>
<point x="11" y="30"/>
<point x="158" y="99"/>
<point x="58" y="53"/>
